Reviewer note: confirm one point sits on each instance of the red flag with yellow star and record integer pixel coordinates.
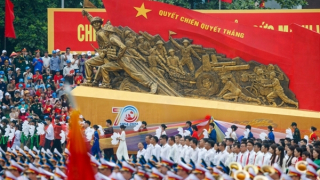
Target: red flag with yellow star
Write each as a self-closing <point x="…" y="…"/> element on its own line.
<point x="230" y="38"/>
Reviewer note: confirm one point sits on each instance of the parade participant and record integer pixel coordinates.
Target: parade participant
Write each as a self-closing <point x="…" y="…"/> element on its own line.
<point x="127" y="170"/>
<point x="49" y="134"/>
<point x="165" y="166"/>
<point x="57" y="128"/>
<point x="106" y="167"/>
<point x="250" y="133"/>
<point x="272" y="150"/>
<point x="316" y="156"/>
<point x="149" y="146"/>
<point x="251" y="154"/>
<point x="202" y="150"/>
<point x="188" y="126"/>
<point x="233" y="132"/>
<point x="95" y="150"/>
<point x="108" y="132"/>
<point x="37" y="62"/>
<point x="258" y="154"/>
<point x="243" y="154"/>
<point x="195" y="132"/>
<point x="155" y="151"/>
<point x="210" y="155"/>
<point x="141" y="151"/>
<point x="156" y="175"/>
<point x="266" y="155"/>
<point x="297" y="155"/>
<point x="187" y="149"/>
<point x="270" y="134"/>
<point x="199" y="172"/>
<point x="122" y="148"/>
<point x="173" y="149"/>
<point x="68" y="73"/>
<point x="194" y="150"/>
<point x="313" y="135"/>
<point x="15" y="169"/>
<point x="32" y="172"/>
<point x="280" y="159"/>
<point x="296" y="133"/>
<point x="183" y="170"/>
<point x="213" y="133"/>
<point x="143" y="126"/>
<point x="165" y="148"/>
<point x="163" y="129"/>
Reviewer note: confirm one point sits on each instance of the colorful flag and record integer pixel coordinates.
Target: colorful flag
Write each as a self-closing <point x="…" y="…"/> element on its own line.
<point x="233" y="39"/>
<point x="227" y="1"/>
<point x="262" y="4"/>
<point x="9" y="18"/>
<point x="79" y="162"/>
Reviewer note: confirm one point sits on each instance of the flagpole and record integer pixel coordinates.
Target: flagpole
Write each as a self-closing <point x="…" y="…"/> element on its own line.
<point x="4" y="43"/>
<point x="219" y="4"/>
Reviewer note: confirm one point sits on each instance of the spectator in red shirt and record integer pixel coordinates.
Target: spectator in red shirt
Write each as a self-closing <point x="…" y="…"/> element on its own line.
<point x="23" y="116"/>
<point x="43" y="136"/>
<point x="313" y="135"/>
<point x="78" y="79"/>
<point x="37" y="76"/>
<point x="20" y="82"/>
<point x="57" y="77"/>
<point x="195" y="132"/>
<point x="47" y="108"/>
<point x="64" y="114"/>
<point x="49" y="91"/>
<point x="57" y="128"/>
<point x="39" y="91"/>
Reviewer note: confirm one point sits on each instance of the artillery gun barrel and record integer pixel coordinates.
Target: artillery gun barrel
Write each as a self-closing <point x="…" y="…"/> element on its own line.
<point x="232" y="68"/>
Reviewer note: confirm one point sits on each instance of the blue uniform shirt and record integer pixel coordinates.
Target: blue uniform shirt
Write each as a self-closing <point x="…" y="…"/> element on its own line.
<point x="271" y="135"/>
<point x="213" y="135"/>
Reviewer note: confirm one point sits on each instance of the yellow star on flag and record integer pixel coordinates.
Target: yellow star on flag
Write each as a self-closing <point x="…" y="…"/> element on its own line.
<point x="142" y="11"/>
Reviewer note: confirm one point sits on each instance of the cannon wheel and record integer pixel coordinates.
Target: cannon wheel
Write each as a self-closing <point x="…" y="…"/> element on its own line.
<point x="213" y="78"/>
<point x="252" y="90"/>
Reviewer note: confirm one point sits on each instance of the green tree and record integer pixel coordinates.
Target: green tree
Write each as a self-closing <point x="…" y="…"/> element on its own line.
<point x="31" y="22"/>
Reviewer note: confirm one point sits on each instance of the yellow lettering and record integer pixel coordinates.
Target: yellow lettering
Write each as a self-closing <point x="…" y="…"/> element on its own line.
<point x="88" y="32"/>
<point x="80" y="32"/>
<point x="196" y="23"/>
<point x="283" y="28"/>
<point x="181" y="19"/>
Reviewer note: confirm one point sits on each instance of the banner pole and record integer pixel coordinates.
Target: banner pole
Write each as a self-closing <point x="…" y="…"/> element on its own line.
<point x="219" y="4"/>
<point x="4" y="43"/>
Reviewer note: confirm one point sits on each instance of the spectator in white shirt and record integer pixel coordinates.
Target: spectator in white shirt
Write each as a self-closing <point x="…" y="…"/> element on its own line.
<point x="194" y="150"/>
<point x="68" y="73"/>
<point x="258" y="154"/>
<point x="173" y="149"/>
<point x="251" y="154"/>
<point x="67" y="56"/>
<point x="46" y="61"/>
<point x="155" y="151"/>
<point x="141" y="151"/>
<point x="149" y="147"/>
<point x="49" y="134"/>
<point x="75" y="61"/>
<point x="165" y="149"/>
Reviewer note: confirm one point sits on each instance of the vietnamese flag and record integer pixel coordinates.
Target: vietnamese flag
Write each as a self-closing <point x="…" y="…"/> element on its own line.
<point x="79" y="165"/>
<point x="232" y="39"/>
<point x="9" y="18"/>
<point x="227" y="1"/>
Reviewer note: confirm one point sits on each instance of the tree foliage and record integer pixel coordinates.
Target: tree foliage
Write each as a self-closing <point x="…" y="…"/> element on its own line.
<point x="31" y="22"/>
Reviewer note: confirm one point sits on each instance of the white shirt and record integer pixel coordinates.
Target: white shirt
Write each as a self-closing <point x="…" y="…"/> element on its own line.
<point x="100" y="176"/>
<point x="187" y="150"/>
<point x="46" y="61"/>
<point x="177" y="153"/>
<point x="266" y="159"/>
<point x="68" y="70"/>
<point x="148" y="152"/>
<point x="141" y="153"/>
<point x="229" y="158"/>
<point x="173" y="152"/>
<point x="50" y="132"/>
<point x="209" y="156"/>
<point x="194" y="155"/>
<point x="258" y="158"/>
<point x="242" y="158"/>
<point x="234" y="135"/>
<point x="251" y="155"/>
<point x="165" y="151"/>
<point x="155" y="151"/>
<point x="201" y="154"/>
<point x="69" y="57"/>
<point x="222" y="157"/>
<point x="76" y="63"/>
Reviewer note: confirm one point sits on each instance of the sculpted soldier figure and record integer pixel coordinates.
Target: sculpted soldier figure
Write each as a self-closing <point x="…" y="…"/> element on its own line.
<point x="154" y="60"/>
<point x="174" y="63"/>
<point x="277" y="91"/>
<point x="133" y="52"/>
<point x="230" y="91"/>
<point x="186" y="51"/>
<point x="102" y="40"/>
<point x="117" y="55"/>
<point x="144" y="46"/>
<point x="161" y="51"/>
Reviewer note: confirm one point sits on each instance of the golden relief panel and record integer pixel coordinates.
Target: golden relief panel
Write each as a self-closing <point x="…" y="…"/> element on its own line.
<point x="141" y="62"/>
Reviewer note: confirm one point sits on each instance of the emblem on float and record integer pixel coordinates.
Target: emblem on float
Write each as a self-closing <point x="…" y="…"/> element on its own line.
<point x="127" y="115"/>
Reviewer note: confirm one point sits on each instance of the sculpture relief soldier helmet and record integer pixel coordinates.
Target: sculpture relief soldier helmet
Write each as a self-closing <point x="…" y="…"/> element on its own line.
<point x="140" y="37"/>
<point x="96" y="19"/>
<point x="159" y="42"/>
<point x="185" y="41"/>
<point x="171" y="50"/>
<point x="126" y="33"/>
<point x="108" y="28"/>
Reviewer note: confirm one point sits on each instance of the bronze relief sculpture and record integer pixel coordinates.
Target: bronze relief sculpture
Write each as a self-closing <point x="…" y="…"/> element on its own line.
<point x="140" y="62"/>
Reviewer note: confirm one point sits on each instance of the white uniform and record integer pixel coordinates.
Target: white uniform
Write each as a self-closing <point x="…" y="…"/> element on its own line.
<point x="229" y="159"/>
<point x="223" y="157"/>
<point x="258" y="158"/>
<point x="148" y="151"/>
<point x="156" y="151"/>
<point x="173" y="152"/>
<point x="187" y="153"/>
<point x="141" y="153"/>
<point x="209" y="156"/>
<point x="266" y="159"/>
<point x="194" y="154"/>
<point x="242" y="158"/>
<point x="201" y="154"/>
<point x="165" y="151"/>
<point x="250" y="157"/>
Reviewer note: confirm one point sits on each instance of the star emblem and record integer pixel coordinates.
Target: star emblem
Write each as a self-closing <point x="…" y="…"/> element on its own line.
<point x="142" y="11"/>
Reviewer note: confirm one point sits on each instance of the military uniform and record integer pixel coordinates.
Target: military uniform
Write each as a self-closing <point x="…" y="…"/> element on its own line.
<point x="36" y="108"/>
<point x="5" y="68"/>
